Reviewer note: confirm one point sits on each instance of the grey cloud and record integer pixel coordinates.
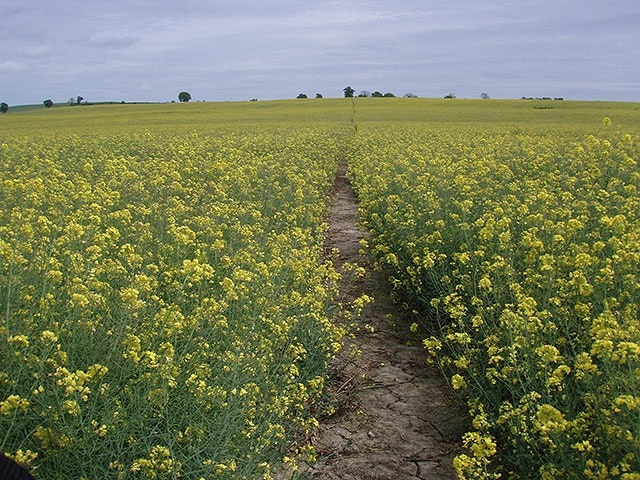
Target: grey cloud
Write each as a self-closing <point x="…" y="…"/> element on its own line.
<point x="273" y="49"/>
<point x="115" y="43"/>
<point x="11" y="66"/>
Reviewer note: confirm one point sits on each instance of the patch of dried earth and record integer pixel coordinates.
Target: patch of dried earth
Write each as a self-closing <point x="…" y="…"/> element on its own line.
<point x="396" y="417"/>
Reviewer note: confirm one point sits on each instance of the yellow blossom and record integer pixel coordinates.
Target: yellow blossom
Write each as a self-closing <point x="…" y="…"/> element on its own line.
<point x="457" y="381"/>
<point x="12" y="404"/>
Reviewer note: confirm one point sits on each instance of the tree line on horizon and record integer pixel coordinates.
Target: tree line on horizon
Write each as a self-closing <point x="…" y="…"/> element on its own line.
<point x="348" y="91"/>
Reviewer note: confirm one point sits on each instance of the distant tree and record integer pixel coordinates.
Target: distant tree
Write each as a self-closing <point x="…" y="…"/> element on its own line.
<point x="389" y="94"/>
<point x="364" y="93"/>
<point x="484" y="96"/>
<point x="302" y="95"/>
<point x="184" y="97"/>
<point x="410" y="95"/>
<point x="79" y="100"/>
<point x="72" y="101"/>
<point x="48" y="103"/>
<point x="348" y="92"/>
<point x="451" y="95"/>
<point x="319" y="95"/>
<point x="4" y="108"/>
<point x="376" y="94"/>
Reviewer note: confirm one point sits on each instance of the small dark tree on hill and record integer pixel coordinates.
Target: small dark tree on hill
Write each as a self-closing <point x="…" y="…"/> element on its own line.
<point x="302" y="95"/>
<point x="79" y="100"/>
<point x="4" y="108"/>
<point x="348" y="92"/>
<point x="48" y="103"/>
<point x="484" y="96"/>
<point x="319" y="95"/>
<point x="184" y="97"/>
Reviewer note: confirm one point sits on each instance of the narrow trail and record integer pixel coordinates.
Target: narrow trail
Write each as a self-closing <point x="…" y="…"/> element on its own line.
<point x="396" y="417"/>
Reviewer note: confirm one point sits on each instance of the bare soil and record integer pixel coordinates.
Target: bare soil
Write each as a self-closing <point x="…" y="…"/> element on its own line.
<point x="396" y="416"/>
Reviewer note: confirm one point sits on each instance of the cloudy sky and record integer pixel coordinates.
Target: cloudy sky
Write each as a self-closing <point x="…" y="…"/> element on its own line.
<point x="149" y="50"/>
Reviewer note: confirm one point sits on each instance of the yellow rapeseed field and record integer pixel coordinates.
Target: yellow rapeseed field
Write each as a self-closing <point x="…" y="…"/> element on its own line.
<point x="163" y="297"/>
<point x="163" y="289"/>
<point x="519" y="252"/>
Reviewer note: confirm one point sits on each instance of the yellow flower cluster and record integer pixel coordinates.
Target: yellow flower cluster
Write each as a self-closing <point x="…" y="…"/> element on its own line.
<point x="163" y="297"/>
<point x="521" y="250"/>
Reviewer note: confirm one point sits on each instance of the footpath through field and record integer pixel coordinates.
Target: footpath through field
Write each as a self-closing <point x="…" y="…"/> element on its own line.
<point x="396" y="417"/>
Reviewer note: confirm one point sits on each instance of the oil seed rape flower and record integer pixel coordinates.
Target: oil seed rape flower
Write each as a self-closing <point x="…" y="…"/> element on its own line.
<point x="220" y="468"/>
<point x="549" y="419"/>
<point x="133" y="346"/>
<point x="457" y="381"/>
<point x="584" y="365"/>
<point x="183" y="235"/>
<point x="99" y="430"/>
<point x="584" y="446"/>
<point x="629" y="402"/>
<point x="12" y="404"/>
<point x="485" y="284"/>
<point x="47" y="336"/>
<point x="24" y="457"/>
<point x="19" y="340"/>
<point x="477" y="321"/>
<point x="129" y="296"/>
<point x="159" y="464"/>
<point x="557" y="377"/>
<point x="229" y="288"/>
<point x="482" y="447"/>
<point x="549" y="354"/>
<point x="359" y="304"/>
<point x="71" y="407"/>
<point x="51" y="439"/>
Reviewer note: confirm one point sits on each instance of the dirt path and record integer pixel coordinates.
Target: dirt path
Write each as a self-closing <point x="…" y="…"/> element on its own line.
<point x="396" y="417"/>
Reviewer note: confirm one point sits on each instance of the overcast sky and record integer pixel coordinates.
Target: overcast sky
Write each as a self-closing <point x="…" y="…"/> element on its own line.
<point x="150" y="50"/>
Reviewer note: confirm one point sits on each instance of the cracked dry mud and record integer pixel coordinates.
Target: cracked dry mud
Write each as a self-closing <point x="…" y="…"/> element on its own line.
<point x="396" y="417"/>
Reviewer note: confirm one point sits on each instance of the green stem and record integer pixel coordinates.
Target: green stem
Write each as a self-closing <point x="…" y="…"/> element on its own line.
<point x="8" y="309"/>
